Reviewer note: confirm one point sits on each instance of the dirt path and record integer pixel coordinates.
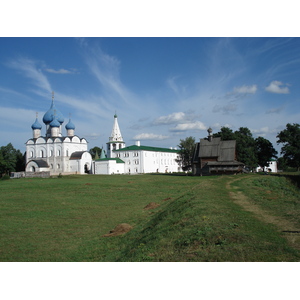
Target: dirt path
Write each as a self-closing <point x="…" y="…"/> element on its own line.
<point x="288" y="229"/>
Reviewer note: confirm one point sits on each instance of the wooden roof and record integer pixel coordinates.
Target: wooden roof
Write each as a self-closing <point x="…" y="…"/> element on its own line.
<point x="216" y="148"/>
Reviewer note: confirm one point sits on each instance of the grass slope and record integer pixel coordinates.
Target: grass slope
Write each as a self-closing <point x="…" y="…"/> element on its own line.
<point x="64" y="219"/>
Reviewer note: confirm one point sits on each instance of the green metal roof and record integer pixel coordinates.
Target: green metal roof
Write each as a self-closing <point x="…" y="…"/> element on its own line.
<point x="147" y="148"/>
<point x="118" y="160"/>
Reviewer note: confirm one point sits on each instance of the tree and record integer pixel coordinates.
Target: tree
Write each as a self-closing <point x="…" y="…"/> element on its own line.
<point x="95" y="151"/>
<point x="264" y="151"/>
<point x="245" y="147"/>
<point x="281" y="164"/>
<point x="8" y="159"/>
<point x="225" y="134"/>
<point x="290" y="138"/>
<point x="186" y="151"/>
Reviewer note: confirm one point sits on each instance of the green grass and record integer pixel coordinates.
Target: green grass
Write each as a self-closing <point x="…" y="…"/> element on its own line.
<point x="64" y="219"/>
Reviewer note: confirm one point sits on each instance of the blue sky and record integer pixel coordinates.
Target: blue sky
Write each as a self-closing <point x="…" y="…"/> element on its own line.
<point x="163" y="89"/>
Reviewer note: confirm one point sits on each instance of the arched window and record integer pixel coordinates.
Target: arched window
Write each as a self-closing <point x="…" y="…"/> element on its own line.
<point x="32" y="169"/>
<point x="67" y="152"/>
<point x="42" y="153"/>
<point x="58" y="152"/>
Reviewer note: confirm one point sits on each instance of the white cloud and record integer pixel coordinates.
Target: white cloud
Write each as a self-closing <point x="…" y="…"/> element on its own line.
<point x="189" y="126"/>
<point x="275" y="87"/>
<point x="171" y="119"/>
<point x="60" y="71"/>
<point x="263" y="131"/>
<point x="245" y="89"/>
<point x="150" y="136"/>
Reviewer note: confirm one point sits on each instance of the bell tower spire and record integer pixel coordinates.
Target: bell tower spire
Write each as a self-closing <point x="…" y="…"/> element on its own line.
<point x="115" y="140"/>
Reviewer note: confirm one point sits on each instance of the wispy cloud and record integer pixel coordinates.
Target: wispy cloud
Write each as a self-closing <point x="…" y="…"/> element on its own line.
<point x="28" y="68"/>
<point x="274" y="110"/>
<point x="106" y="69"/>
<point x="150" y="136"/>
<point x="189" y="126"/>
<point x="277" y="87"/>
<point x="225" y="109"/>
<point x="245" y="89"/>
<point x="263" y="131"/>
<point x="62" y="71"/>
<point x="174" y="118"/>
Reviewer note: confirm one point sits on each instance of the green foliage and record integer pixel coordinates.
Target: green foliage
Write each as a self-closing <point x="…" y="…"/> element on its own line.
<point x="264" y="151"/>
<point x="225" y="134"/>
<point x="186" y="150"/>
<point x="245" y="147"/>
<point x="95" y="152"/>
<point x="290" y="138"/>
<point x="11" y="160"/>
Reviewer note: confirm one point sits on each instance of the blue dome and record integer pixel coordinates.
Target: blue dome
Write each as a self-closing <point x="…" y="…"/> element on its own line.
<point x="70" y="125"/>
<point x="49" y="115"/>
<point x="36" y="125"/>
<point x="55" y="123"/>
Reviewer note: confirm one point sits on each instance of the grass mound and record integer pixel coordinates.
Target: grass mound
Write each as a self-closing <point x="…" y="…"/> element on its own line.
<point x="193" y="219"/>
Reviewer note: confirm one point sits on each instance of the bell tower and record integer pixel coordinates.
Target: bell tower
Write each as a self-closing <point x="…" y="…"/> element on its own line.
<point x="115" y="140"/>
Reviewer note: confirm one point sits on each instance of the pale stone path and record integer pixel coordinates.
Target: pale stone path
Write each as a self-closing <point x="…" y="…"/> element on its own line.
<point x="287" y="228"/>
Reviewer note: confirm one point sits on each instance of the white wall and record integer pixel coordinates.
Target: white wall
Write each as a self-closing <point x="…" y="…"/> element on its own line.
<point x="108" y="167"/>
<point x="142" y="161"/>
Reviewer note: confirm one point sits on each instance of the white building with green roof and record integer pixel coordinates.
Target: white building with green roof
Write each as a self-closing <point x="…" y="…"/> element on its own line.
<point x="135" y="159"/>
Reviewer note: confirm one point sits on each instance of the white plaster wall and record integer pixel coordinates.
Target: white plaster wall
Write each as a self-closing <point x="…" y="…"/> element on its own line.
<point x="141" y="161"/>
<point x="108" y="167"/>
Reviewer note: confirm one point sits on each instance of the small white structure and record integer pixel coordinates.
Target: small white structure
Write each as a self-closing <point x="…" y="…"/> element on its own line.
<point x="271" y="167"/>
<point x="135" y="159"/>
<point x="108" y="166"/>
<point x="54" y="152"/>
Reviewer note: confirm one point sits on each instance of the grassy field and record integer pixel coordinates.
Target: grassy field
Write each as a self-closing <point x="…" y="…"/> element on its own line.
<point x="224" y="218"/>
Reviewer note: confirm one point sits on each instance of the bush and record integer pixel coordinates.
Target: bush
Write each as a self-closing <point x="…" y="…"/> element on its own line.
<point x="5" y="177"/>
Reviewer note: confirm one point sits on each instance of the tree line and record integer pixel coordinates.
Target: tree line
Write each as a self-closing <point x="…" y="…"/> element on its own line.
<point x="250" y="151"/>
<point x="253" y="152"/>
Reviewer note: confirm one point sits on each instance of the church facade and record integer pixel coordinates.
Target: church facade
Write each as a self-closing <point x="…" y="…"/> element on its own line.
<point x="54" y="152"/>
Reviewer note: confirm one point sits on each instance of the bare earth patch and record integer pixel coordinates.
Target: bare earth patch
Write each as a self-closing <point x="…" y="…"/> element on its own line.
<point x="118" y="230"/>
<point x="151" y="205"/>
<point x="287" y="228"/>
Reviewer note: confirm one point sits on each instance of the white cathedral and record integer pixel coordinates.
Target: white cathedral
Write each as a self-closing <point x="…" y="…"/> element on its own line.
<point x="58" y="154"/>
<point x="54" y="152"/>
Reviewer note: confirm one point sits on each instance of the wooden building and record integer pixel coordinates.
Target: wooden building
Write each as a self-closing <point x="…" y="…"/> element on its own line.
<point x="212" y="156"/>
